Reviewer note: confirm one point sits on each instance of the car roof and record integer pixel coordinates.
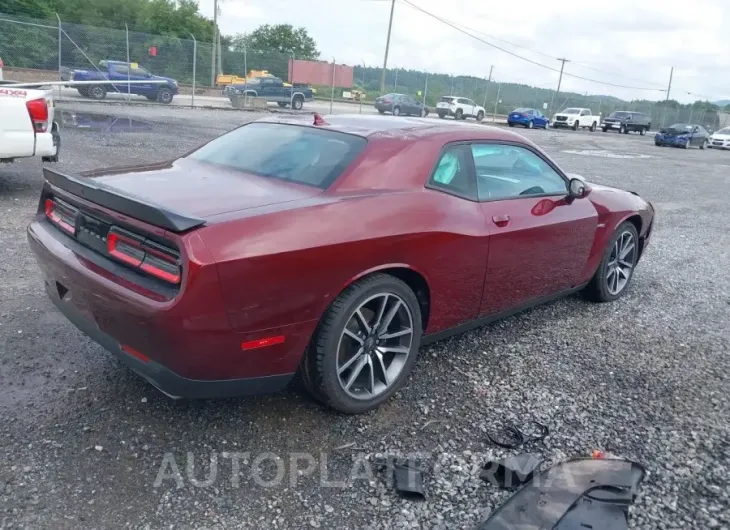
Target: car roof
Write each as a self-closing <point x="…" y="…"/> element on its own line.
<point x="385" y="127"/>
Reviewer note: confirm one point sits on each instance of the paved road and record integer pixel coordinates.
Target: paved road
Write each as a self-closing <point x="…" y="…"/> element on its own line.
<point x="84" y="443"/>
<point x="322" y="107"/>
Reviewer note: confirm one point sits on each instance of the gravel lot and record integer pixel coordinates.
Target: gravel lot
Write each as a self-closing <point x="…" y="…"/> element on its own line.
<point x="83" y="440"/>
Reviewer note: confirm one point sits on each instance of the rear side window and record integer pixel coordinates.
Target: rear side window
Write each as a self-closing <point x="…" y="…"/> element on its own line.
<point x="305" y="155"/>
<point x="453" y="172"/>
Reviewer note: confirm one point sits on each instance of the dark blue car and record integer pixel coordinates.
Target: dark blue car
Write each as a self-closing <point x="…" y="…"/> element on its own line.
<point x="528" y="118"/>
<point x="683" y="135"/>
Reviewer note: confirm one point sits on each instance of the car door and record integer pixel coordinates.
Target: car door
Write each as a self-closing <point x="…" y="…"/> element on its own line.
<point x="699" y="135"/>
<point x="460" y="260"/>
<point x="140" y="74"/>
<point x="472" y="107"/>
<point x="540" y="238"/>
<point x="541" y="119"/>
<point x="412" y="106"/>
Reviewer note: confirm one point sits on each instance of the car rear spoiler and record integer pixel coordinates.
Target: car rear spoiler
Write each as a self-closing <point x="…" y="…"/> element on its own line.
<point x="130" y="205"/>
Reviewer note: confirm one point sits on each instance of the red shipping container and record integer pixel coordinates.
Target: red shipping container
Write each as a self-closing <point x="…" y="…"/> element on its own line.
<point x="320" y="73"/>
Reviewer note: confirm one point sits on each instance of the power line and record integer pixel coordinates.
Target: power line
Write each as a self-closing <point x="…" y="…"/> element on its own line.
<point x="457" y="28"/>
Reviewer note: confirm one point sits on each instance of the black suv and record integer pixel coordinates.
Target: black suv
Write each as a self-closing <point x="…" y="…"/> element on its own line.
<point x="624" y="121"/>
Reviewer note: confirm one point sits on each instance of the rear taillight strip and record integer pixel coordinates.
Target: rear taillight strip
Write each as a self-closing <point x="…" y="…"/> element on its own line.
<point x="154" y="259"/>
<point x="126" y="247"/>
<point x="61" y="215"/>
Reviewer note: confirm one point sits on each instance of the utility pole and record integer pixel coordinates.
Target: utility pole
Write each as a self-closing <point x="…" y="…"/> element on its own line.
<point x="560" y="80"/>
<point x="387" y="48"/>
<point x="486" y="88"/>
<point x="666" y="99"/>
<point x="215" y="40"/>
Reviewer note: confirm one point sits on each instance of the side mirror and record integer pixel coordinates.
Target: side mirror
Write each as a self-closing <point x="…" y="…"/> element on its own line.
<point x="576" y="188"/>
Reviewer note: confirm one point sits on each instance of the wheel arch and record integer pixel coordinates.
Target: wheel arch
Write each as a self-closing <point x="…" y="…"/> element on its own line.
<point x="414" y="278"/>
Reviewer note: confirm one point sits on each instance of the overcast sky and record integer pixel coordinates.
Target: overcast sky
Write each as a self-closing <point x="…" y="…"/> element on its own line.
<point x="630" y="42"/>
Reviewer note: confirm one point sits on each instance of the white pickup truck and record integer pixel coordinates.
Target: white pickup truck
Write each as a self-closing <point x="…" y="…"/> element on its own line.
<point x="27" y="126"/>
<point x="576" y="117"/>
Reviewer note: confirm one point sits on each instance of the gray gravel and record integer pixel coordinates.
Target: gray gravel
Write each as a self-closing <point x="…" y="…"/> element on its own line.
<point x="83" y="441"/>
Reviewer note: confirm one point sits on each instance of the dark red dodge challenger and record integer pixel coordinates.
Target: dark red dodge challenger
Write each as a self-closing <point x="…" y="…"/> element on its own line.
<point x="330" y="248"/>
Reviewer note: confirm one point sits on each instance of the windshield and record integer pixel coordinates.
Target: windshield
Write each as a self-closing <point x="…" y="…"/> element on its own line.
<point x="726" y="130"/>
<point x="620" y="115"/>
<point x="679" y="127"/>
<point x="571" y="111"/>
<point x="315" y="157"/>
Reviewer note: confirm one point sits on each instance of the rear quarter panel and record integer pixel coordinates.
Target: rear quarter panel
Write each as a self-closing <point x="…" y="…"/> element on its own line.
<point x="287" y="265"/>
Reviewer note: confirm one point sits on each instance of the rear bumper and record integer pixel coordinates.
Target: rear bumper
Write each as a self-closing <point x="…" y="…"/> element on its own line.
<point x="183" y="343"/>
<point x="164" y="379"/>
<point x="46" y="144"/>
<point x="444" y="112"/>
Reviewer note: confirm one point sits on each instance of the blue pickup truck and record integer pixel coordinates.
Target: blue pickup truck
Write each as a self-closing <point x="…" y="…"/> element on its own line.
<point x="119" y="73"/>
<point x="273" y="90"/>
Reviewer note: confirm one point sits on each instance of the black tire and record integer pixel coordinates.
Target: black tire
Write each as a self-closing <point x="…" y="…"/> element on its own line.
<point x="480" y="116"/>
<point x="97" y="92"/>
<point x="594" y="125"/>
<point x="459" y="114"/>
<point x="604" y="129"/>
<point x="297" y="102"/>
<point x="282" y="104"/>
<point x="642" y="131"/>
<point x="597" y="289"/>
<point x="83" y="91"/>
<point x="622" y="129"/>
<point x="318" y="368"/>
<point x="442" y="115"/>
<point x="576" y="124"/>
<point x="381" y="111"/>
<point x="164" y="95"/>
<point x="396" y="111"/>
<point x="626" y="130"/>
<point x="657" y="144"/>
<point x="511" y="124"/>
<point x="425" y="112"/>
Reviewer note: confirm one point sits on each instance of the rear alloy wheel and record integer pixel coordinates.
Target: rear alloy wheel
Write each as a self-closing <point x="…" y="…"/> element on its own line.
<point x="96" y="92"/>
<point x="459" y="114"/>
<point x="396" y="111"/>
<point x="642" y="131"/>
<point x="622" y="129"/>
<point x="530" y="124"/>
<point x="480" y="116"/>
<point x="297" y="103"/>
<point x="688" y="144"/>
<point x="365" y="346"/>
<point x="617" y="266"/>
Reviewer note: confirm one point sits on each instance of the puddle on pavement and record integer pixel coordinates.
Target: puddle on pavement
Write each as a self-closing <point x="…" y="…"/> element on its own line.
<point x="101" y="123"/>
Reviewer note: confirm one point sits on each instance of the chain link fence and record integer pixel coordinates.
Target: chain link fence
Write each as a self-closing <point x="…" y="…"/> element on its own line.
<point x="36" y="50"/>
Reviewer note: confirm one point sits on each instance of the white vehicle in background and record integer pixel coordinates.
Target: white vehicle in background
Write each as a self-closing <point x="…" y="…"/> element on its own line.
<point x="575" y="118"/>
<point x="1" y="68"/>
<point x="27" y="126"/>
<point x="460" y="108"/>
<point x="719" y="139"/>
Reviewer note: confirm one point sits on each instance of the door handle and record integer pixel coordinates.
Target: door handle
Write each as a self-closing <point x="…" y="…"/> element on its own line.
<point x="500" y="220"/>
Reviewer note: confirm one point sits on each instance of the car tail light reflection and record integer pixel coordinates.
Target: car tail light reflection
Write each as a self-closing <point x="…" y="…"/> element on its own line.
<point x="61" y="215"/>
<point x="38" y="110"/>
<point x="152" y="258"/>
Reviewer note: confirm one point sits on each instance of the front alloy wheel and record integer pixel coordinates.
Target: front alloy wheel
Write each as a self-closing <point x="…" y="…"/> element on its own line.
<point x="617" y="267"/>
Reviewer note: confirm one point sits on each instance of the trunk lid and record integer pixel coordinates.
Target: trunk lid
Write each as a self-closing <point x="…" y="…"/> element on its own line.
<point x="201" y="190"/>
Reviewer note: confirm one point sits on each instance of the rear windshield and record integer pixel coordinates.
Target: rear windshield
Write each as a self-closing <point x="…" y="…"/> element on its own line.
<point x="620" y="115"/>
<point x="305" y="155"/>
<point x="446" y="99"/>
<point x="571" y="111"/>
<point x="521" y="109"/>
